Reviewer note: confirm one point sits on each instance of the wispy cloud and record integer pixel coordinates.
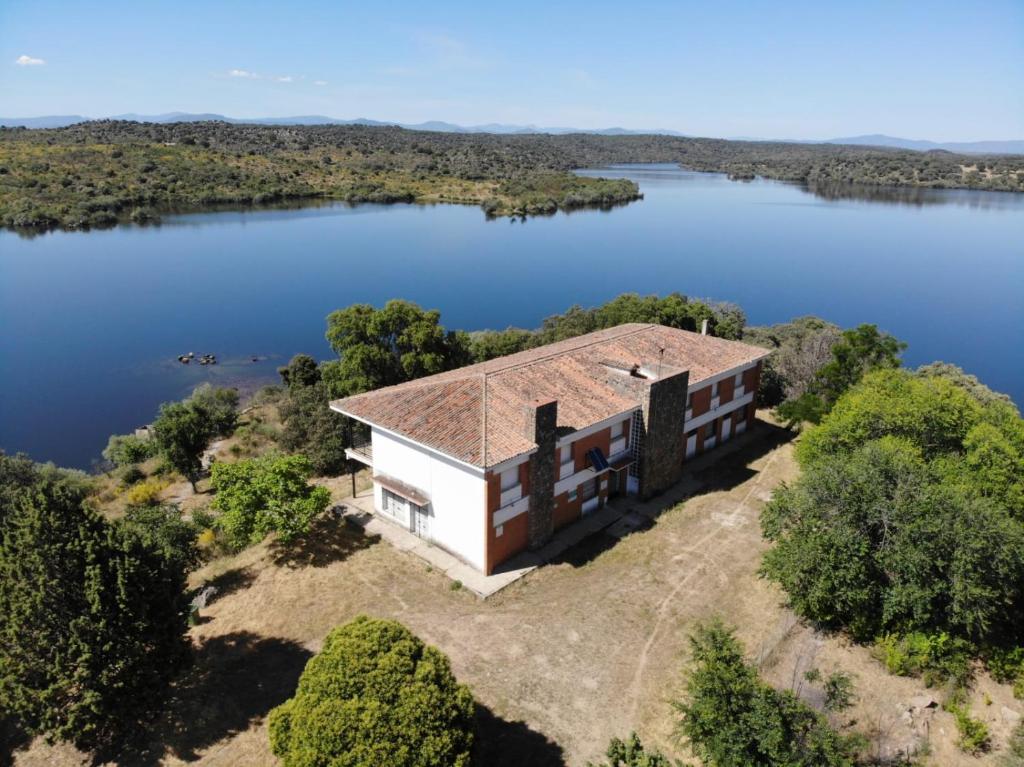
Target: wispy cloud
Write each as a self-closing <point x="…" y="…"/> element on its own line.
<point x="284" y="79"/>
<point x="319" y="82"/>
<point x="243" y="73"/>
<point x="29" y="61"/>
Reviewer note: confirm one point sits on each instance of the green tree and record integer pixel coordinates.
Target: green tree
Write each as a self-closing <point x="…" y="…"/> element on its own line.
<point x="733" y="719"/>
<point x="162" y="528"/>
<point x="631" y="753"/>
<point x="375" y="694"/>
<point x="300" y="372"/>
<point x="313" y="429"/>
<point x="126" y="449"/>
<point x="220" y="405"/>
<point x="860" y="350"/>
<point x="382" y="347"/>
<point x="267" y="494"/>
<point x="183" y="431"/>
<point x="488" y="344"/>
<point x="92" y="618"/>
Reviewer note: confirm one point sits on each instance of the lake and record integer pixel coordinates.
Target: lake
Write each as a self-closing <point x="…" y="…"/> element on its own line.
<point x="92" y="322"/>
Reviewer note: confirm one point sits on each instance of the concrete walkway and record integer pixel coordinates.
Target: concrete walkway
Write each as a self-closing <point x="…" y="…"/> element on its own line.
<point x="619" y="517"/>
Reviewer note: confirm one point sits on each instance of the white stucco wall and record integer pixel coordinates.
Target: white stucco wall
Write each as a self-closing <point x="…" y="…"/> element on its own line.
<point x="457" y="493"/>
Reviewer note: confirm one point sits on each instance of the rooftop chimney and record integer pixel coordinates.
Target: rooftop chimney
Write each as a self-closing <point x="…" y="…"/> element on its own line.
<point x="704" y="327"/>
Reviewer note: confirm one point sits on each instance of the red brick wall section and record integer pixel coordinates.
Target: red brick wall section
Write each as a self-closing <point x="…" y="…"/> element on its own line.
<point x="726" y="388"/>
<point x="700" y="401"/>
<point x="601" y="439"/>
<point x="566" y="511"/>
<point x="524" y="476"/>
<point x="513" y="539"/>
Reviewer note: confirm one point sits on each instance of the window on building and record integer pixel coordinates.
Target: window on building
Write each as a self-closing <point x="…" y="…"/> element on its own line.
<point x="392" y="504"/>
<point x="617" y="430"/>
<point x="588" y="489"/>
<point x="509" y="478"/>
<point x="566" y="454"/>
<point x="739" y="379"/>
<point x="709" y="430"/>
<point x="714" y="390"/>
<point x="572" y="495"/>
<point x="689" y="401"/>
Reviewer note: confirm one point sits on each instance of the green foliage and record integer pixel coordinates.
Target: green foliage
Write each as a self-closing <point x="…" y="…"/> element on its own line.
<point x="300" y="372"/>
<point x="266" y="494"/>
<point x="131" y="474"/>
<point x="488" y="344"/>
<point x="375" y="694"/>
<point x="966" y="381"/>
<point x="1014" y="755"/>
<point x="935" y="657"/>
<point x="97" y="173"/>
<point x="974" y="735"/>
<point x="839" y="691"/>
<point x="382" y="347"/>
<point x="126" y="449"/>
<point x="733" y="719"/>
<point x="163" y="529"/>
<point x="220" y="406"/>
<point x="313" y="429"/>
<point x="19" y="473"/>
<point x="631" y="753"/>
<point x="183" y="431"/>
<point x="858" y="350"/>
<point x="92" y="617"/>
<point x="801" y="348"/>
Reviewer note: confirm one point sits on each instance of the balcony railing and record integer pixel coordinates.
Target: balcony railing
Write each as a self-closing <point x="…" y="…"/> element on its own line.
<point x="362" y="452"/>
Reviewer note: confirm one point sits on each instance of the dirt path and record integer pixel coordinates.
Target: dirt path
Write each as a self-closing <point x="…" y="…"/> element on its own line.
<point x="580" y="651"/>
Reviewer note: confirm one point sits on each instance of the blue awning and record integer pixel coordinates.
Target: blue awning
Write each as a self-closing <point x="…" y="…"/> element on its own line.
<point x="597" y="459"/>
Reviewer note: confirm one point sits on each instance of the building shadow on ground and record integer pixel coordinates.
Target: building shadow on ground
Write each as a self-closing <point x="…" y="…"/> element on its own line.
<point x="717" y="471"/>
<point x="500" y="743"/>
<point x="235" y="681"/>
<point x="330" y="539"/>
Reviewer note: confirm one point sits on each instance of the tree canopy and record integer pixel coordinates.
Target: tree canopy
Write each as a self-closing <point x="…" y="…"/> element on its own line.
<point x="733" y="719"/>
<point x="908" y="515"/>
<point x="92" y="617"/>
<point x="375" y="694"/>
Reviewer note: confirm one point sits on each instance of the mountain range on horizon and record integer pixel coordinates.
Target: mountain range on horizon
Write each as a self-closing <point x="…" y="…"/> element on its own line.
<point x="876" y="139"/>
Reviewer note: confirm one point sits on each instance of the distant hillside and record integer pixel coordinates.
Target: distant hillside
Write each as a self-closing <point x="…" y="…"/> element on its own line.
<point x="62" y="121"/>
<point x="962" y="147"/>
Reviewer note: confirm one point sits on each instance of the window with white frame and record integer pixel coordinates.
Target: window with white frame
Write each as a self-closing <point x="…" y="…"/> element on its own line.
<point x="709" y="430"/>
<point x="714" y="390"/>
<point x="565" y="454"/>
<point x="739" y="379"/>
<point x="391" y="503"/>
<point x="616" y="430"/>
<point x="509" y="478"/>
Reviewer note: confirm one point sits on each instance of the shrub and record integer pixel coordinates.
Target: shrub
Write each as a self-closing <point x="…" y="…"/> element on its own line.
<point x="631" y="753"/>
<point x="934" y="657"/>
<point x="125" y="449"/>
<point x="839" y="694"/>
<point x="266" y="494"/>
<point x="733" y="719"/>
<point x="974" y="735"/>
<point x="375" y="694"/>
<point x="220" y="406"/>
<point x="163" y="528"/>
<point x="145" y="493"/>
<point x="131" y="475"/>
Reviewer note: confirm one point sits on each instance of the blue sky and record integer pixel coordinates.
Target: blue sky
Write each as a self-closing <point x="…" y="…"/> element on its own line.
<point x="937" y="70"/>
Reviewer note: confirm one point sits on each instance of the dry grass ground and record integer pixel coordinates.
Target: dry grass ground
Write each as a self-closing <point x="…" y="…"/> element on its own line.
<point x="579" y="651"/>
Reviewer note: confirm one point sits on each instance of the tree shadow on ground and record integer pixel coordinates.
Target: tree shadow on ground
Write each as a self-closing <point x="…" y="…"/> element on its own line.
<point x="734" y="469"/>
<point x="12" y="738"/>
<point x="330" y="539"/>
<point x="500" y="743"/>
<point x="236" y="680"/>
<point x="230" y="581"/>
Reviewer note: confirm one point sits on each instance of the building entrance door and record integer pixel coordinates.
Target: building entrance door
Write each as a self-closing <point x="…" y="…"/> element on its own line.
<point x="726" y="428"/>
<point x="420" y="522"/>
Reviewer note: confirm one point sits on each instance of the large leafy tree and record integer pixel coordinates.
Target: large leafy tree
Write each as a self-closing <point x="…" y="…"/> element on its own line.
<point x="93" y="617"/>
<point x="313" y="429"/>
<point x="267" y="494"/>
<point x="375" y="695"/>
<point x="381" y="347"/>
<point x="733" y="719"/>
<point x="907" y="515"/>
<point x="183" y="431"/>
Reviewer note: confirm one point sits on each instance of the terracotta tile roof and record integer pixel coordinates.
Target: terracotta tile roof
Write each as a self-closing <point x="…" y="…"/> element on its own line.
<point x="475" y="413"/>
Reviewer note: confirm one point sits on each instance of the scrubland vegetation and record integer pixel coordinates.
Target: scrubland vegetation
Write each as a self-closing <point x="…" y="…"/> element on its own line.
<point x="97" y="173"/>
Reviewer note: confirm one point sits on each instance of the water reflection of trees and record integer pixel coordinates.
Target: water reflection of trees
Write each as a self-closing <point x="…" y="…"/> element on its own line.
<point x="909" y="195"/>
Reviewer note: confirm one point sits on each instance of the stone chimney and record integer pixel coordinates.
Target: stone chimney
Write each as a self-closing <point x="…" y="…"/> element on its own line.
<point x="704" y="327"/>
<point x="540" y="419"/>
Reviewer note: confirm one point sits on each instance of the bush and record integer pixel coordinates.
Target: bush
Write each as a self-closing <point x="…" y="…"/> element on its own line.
<point x="934" y="657"/>
<point x="131" y="475"/>
<point x="733" y="719"/>
<point x="375" y="694"/>
<point x="266" y="494"/>
<point x="145" y="493"/>
<point x="631" y="753"/>
<point x="220" y="406"/>
<point x="974" y="735"/>
<point x="163" y="528"/>
<point x="125" y="449"/>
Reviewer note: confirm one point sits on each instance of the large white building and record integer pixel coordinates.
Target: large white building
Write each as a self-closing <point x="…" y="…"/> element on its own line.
<point x="488" y="460"/>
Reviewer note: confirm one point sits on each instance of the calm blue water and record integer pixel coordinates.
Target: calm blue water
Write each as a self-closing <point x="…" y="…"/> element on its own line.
<point x="92" y="322"/>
